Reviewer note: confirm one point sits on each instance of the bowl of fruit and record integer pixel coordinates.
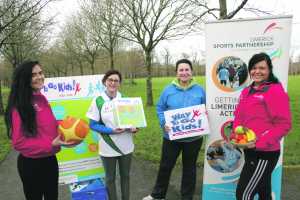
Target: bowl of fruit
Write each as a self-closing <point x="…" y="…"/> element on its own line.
<point x="242" y="136"/>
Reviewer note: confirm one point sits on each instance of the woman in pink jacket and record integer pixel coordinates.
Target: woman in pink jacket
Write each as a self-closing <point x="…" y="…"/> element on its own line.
<point x="264" y="108"/>
<point x="33" y="129"/>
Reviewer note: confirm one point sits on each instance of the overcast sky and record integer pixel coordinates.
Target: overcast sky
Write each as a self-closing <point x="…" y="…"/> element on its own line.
<point x="196" y="43"/>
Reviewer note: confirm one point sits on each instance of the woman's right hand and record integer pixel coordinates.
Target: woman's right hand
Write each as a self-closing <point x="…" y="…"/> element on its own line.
<point x="119" y="130"/>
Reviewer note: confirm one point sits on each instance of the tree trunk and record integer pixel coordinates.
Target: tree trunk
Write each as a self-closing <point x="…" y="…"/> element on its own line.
<point x="111" y="56"/>
<point x="1" y="100"/>
<point x="149" y="77"/>
<point x="72" y="69"/>
<point x="14" y="63"/>
<point x="92" y="63"/>
<point x="81" y="68"/>
<point x="223" y="9"/>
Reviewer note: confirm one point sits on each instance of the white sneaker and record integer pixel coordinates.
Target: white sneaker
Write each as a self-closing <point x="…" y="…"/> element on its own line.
<point x="149" y="197"/>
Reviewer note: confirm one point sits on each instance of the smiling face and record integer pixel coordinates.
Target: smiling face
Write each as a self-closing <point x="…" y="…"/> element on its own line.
<point x="260" y="72"/>
<point x="37" y="79"/>
<point x="112" y="83"/>
<point x="184" y="73"/>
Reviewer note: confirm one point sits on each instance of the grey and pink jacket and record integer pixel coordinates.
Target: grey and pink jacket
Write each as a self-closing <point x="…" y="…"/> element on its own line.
<point x="266" y="111"/>
<point x="40" y="145"/>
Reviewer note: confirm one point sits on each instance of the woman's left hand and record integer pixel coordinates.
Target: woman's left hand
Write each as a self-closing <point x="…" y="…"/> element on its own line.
<point x="59" y="142"/>
<point x="251" y="145"/>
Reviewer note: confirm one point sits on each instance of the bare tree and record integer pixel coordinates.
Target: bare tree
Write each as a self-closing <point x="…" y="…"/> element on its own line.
<point x="55" y="60"/>
<point x="152" y="21"/>
<point x="132" y="63"/>
<point x="82" y="41"/>
<point x="23" y="11"/>
<point x="84" y="38"/>
<point x="73" y="49"/>
<point x="105" y="25"/>
<point x="27" y="42"/>
<point x="203" y="10"/>
<point x="167" y="60"/>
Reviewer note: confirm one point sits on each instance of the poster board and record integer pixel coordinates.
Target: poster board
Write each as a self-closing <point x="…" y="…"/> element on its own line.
<point x="129" y="112"/>
<point x="72" y="96"/>
<point x="187" y="122"/>
<point x="230" y="44"/>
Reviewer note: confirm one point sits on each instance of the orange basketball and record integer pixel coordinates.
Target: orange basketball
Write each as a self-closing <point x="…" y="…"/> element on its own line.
<point x="73" y="129"/>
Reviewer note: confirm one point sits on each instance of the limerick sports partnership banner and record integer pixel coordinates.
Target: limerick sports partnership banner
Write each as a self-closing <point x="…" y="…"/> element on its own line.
<point x="71" y="96"/>
<point x="229" y="46"/>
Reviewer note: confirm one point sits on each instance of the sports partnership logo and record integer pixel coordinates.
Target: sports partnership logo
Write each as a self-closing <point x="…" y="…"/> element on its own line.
<point x="271" y="27"/>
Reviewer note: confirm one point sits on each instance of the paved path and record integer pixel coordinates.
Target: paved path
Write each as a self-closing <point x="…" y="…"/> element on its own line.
<point x="143" y="177"/>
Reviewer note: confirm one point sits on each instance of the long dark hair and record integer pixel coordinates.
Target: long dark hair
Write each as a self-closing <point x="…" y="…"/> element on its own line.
<point x="20" y="98"/>
<point x="260" y="57"/>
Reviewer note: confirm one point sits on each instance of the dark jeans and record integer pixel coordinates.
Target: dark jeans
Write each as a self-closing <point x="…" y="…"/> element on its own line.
<point x="39" y="177"/>
<point x="170" y="153"/>
<point x="110" y="165"/>
<point x="223" y="82"/>
<point x="256" y="174"/>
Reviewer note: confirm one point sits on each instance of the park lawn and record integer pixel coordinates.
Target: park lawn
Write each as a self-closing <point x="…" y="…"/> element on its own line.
<point x="4" y="142"/>
<point x="148" y="140"/>
<point x="292" y="141"/>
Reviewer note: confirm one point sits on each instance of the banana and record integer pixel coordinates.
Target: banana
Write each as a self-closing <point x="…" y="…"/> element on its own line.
<point x="250" y="135"/>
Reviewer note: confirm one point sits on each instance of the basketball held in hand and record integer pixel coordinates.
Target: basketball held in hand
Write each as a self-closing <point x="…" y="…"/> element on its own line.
<point x="73" y="129"/>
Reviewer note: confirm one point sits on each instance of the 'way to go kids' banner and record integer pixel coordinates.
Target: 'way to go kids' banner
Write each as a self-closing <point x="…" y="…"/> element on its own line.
<point x="229" y="46"/>
<point x="187" y="122"/>
<point x="70" y="98"/>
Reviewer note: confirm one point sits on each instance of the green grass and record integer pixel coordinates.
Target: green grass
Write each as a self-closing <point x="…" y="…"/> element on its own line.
<point x="4" y="142"/>
<point x="148" y="140"/>
<point x="292" y="141"/>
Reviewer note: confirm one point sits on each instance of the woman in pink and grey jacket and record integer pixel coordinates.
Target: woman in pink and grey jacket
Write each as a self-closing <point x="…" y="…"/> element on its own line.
<point x="33" y="129"/>
<point x="264" y="108"/>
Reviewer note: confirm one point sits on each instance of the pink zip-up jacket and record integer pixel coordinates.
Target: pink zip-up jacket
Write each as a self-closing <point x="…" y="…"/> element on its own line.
<point x="266" y="111"/>
<point x="41" y="145"/>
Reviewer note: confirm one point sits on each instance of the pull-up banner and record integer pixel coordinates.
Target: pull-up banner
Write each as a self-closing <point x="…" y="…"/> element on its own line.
<point x="71" y="97"/>
<point x="229" y="46"/>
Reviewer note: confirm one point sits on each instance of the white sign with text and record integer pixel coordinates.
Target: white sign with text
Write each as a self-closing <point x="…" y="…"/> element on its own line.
<point x="187" y="122"/>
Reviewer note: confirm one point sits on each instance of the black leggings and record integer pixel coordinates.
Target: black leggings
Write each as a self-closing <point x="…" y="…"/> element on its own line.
<point x="39" y="177"/>
<point x="255" y="177"/>
<point x="170" y="153"/>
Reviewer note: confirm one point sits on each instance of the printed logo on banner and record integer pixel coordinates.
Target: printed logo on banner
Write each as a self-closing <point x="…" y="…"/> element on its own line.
<point x="223" y="157"/>
<point x="230" y="74"/>
<point x="271" y="27"/>
<point x="73" y="87"/>
<point x="68" y="88"/>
